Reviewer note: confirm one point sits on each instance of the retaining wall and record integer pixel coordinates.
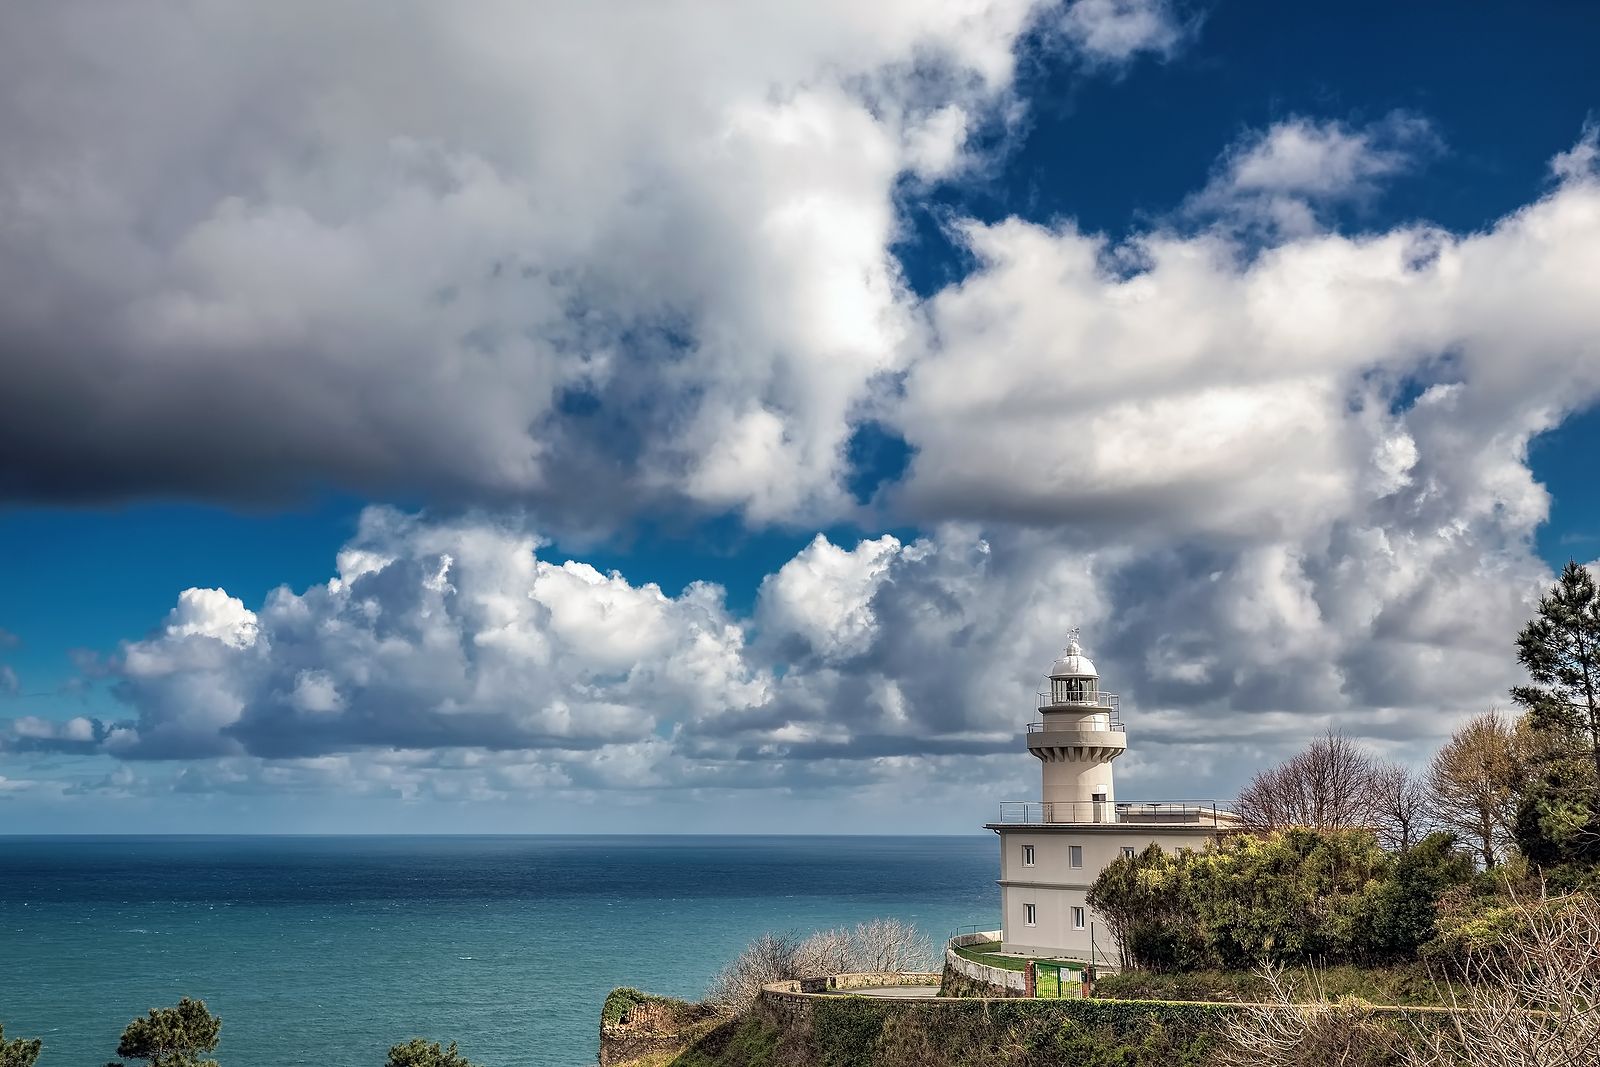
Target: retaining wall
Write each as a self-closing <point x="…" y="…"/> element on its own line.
<point x="980" y="978"/>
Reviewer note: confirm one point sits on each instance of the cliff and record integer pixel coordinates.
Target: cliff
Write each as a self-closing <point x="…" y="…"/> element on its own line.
<point x="640" y="1029"/>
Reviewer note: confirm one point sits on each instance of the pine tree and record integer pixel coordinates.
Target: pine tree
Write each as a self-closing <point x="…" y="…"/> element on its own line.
<point x="172" y="1037"/>
<point x="1558" y="812"/>
<point x="422" y="1053"/>
<point x="18" y="1053"/>
<point x="1560" y="647"/>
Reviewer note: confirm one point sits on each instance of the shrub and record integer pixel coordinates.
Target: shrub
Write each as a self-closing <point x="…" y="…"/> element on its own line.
<point x="419" y="1052"/>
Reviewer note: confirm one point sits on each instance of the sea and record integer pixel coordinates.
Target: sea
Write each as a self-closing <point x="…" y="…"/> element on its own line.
<point x="324" y="951"/>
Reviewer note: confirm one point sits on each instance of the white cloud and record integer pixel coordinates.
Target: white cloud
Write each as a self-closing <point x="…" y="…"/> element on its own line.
<point x="33" y="727"/>
<point x="824" y="595"/>
<point x="1581" y="160"/>
<point x="446" y="634"/>
<point x="1209" y="393"/>
<point x="499" y="251"/>
<point x="212" y="613"/>
<point x="1116" y="30"/>
<point x="1283" y="177"/>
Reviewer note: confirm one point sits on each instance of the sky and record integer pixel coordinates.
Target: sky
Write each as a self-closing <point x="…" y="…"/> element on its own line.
<point x="711" y="417"/>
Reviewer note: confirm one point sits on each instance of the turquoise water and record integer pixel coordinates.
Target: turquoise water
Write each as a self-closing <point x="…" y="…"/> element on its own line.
<point x="325" y="951"/>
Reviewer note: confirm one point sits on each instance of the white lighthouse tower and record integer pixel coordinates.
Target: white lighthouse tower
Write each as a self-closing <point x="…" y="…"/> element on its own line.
<point x="1052" y="849"/>
<point x="1078" y="734"/>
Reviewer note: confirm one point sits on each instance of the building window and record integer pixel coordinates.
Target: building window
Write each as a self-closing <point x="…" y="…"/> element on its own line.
<point x="1029" y="915"/>
<point x="1127" y="852"/>
<point x="1077" y="918"/>
<point x="1075" y="855"/>
<point x="1027" y="855"/>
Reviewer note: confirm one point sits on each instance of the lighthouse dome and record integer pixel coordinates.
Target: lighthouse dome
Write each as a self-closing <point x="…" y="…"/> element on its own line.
<point x="1073" y="663"/>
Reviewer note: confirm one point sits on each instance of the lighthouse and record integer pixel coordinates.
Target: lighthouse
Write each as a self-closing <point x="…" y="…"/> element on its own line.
<point x="1078" y="735"/>
<point x="1052" y="849"/>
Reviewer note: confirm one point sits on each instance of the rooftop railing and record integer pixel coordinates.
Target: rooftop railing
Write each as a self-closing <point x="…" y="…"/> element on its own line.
<point x="1092" y="812"/>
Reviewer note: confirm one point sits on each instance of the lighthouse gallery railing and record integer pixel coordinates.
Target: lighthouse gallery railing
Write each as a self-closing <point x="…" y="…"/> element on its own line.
<point x="1089" y="812"/>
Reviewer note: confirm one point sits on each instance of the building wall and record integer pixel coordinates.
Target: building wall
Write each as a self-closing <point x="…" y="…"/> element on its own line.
<point x="1055" y="887"/>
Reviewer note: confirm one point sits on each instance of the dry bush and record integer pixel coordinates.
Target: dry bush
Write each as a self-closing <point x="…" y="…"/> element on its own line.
<point x="1530" y="1000"/>
<point x="1295" y="1027"/>
<point x="881" y="945"/>
<point x="769" y="958"/>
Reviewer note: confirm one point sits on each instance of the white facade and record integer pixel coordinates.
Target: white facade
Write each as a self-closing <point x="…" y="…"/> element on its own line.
<point x="1053" y="849"/>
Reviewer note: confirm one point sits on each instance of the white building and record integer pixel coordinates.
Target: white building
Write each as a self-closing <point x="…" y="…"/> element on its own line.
<point x="1052" y="849"/>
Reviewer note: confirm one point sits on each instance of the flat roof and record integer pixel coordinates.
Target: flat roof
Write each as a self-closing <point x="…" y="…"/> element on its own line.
<point x="1113" y="827"/>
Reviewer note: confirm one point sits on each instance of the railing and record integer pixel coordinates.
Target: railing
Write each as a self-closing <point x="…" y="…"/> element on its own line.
<point x="1141" y="813"/>
<point x="1074" y="727"/>
<point x="974" y="929"/>
<point x="1087" y="700"/>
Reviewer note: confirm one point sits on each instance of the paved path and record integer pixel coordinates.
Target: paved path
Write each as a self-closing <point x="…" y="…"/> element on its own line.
<point x="898" y="992"/>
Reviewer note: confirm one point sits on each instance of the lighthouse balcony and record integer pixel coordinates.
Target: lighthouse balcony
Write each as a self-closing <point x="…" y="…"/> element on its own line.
<point x="1092" y="812"/>
<point x="1096" y="724"/>
<point x="1072" y="700"/>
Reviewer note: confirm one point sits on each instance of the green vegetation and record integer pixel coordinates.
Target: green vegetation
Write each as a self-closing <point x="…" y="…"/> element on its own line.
<point x="422" y="1053"/>
<point x="20" y="1052"/>
<point x="172" y="1037"/>
<point x="871" y="1032"/>
<point x="622" y="1002"/>
<point x="1297" y="895"/>
<point x="1403" y="984"/>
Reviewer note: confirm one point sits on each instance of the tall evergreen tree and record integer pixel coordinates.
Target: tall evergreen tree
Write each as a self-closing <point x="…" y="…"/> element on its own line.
<point x="1558" y="807"/>
<point x="1560" y="647"/>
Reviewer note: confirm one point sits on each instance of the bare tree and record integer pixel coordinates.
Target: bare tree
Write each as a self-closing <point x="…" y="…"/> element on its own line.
<point x="879" y="946"/>
<point x="1471" y="783"/>
<point x="769" y="958"/>
<point x="1328" y="786"/>
<point x="1400" y="806"/>
<point x="825" y="952"/>
<point x="885" y="945"/>
<point x="1530" y="1000"/>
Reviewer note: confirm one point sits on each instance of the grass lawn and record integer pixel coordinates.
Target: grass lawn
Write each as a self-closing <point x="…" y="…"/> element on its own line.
<point x="983" y="953"/>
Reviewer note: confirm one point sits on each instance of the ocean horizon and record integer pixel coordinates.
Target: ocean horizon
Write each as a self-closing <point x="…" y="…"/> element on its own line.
<point x="329" y="948"/>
